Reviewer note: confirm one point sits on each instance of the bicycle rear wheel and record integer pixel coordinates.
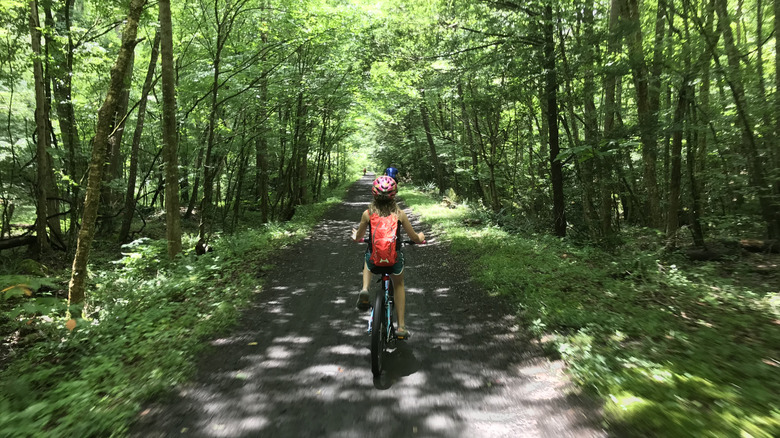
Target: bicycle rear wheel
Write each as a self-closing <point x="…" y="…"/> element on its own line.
<point x="378" y="333"/>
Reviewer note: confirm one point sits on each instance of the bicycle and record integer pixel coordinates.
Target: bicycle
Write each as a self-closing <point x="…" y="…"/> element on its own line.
<point x="381" y="317"/>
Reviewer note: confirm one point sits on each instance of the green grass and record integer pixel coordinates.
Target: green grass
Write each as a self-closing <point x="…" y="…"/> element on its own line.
<point x="674" y="349"/>
<point x="148" y="320"/>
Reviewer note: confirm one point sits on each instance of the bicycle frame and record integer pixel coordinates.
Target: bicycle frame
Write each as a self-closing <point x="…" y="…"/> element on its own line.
<point x="388" y="305"/>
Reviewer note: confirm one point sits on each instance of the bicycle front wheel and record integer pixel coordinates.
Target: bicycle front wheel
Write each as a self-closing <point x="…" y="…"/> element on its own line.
<point x="378" y="333"/>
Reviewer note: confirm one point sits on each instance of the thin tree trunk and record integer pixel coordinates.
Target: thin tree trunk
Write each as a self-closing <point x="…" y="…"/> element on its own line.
<point x="261" y="164"/>
<point x="132" y="173"/>
<point x="114" y="158"/>
<point x="243" y="158"/>
<point x="301" y="157"/>
<point x="476" y="185"/>
<point x="645" y="111"/>
<point x="209" y="170"/>
<point x="42" y="129"/>
<point x="77" y="285"/>
<point x="605" y="164"/>
<point x="431" y="145"/>
<point x="170" y="131"/>
<point x="756" y="171"/>
<point x="261" y="144"/>
<point x="591" y="48"/>
<point x="693" y="178"/>
<point x="61" y="71"/>
<point x="672" y="222"/>
<point x="551" y="94"/>
<point x="774" y="152"/>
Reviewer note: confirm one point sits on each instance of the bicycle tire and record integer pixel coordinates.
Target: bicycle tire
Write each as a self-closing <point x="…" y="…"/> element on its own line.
<point x="378" y="334"/>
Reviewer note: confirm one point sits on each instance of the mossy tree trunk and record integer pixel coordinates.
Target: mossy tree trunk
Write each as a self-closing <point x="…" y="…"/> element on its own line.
<point x="170" y="131"/>
<point x="78" y="279"/>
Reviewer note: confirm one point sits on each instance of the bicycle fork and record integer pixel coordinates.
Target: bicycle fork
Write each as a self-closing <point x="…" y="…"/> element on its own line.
<point x="389" y="304"/>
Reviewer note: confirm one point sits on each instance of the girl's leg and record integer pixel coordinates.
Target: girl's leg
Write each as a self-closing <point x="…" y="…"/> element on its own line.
<point x="366" y="277"/>
<point x="363" y="297"/>
<point x="400" y="298"/>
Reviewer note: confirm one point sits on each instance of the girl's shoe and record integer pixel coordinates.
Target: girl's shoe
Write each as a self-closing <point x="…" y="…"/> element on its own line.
<point x="402" y="333"/>
<point x="362" y="302"/>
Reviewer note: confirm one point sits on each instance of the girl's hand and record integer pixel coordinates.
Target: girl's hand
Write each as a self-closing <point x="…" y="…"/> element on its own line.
<point x="421" y="236"/>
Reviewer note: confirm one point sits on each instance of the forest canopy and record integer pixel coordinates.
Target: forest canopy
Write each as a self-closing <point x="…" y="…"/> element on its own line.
<point x="580" y="117"/>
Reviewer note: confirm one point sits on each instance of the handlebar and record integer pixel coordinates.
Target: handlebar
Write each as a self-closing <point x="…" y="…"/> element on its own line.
<point x="405" y="242"/>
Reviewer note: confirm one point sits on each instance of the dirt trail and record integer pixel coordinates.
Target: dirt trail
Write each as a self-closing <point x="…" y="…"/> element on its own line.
<point x="298" y="364"/>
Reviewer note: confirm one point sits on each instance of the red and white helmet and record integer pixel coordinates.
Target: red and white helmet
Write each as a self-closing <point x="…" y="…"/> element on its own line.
<point x="384" y="185"/>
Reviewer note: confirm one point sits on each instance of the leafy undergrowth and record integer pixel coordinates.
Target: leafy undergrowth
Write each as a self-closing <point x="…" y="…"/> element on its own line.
<point x="147" y="319"/>
<point x="673" y="348"/>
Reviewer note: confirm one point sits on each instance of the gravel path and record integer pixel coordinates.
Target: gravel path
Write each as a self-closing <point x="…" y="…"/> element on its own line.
<point x="298" y="364"/>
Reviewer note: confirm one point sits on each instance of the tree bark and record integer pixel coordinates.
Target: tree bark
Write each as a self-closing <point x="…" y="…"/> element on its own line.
<point x="551" y="94"/>
<point x="211" y="166"/>
<point x="61" y="72"/>
<point x="114" y="154"/>
<point x="42" y="129"/>
<point x="775" y="153"/>
<point x="672" y="222"/>
<point x="591" y="47"/>
<point x="132" y="172"/>
<point x="77" y="286"/>
<point x="645" y="110"/>
<point x="261" y="143"/>
<point x="476" y="183"/>
<point x="170" y="131"/>
<point x="431" y="145"/>
<point x="750" y="147"/>
<point x="605" y="164"/>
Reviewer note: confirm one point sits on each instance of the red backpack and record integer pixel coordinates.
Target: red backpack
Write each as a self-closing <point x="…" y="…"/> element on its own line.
<point x="384" y="239"/>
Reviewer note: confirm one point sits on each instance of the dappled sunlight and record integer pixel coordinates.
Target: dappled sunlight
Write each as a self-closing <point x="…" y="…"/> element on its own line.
<point x="293" y="339"/>
<point x="310" y="372"/>
<point x="344" y="350"/>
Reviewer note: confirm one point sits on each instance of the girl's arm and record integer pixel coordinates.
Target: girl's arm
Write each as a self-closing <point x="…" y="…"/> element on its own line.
<point x="415" y="236"/>
<point x="361" y="231"/>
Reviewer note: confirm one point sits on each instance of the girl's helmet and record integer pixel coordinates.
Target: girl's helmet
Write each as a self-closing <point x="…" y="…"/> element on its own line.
<point x="384" y="186"/>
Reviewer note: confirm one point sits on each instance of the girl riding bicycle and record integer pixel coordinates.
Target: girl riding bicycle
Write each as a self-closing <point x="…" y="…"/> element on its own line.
<point x="384" y="190"/>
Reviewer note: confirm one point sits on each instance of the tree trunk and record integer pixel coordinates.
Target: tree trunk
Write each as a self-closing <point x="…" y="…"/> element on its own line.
<point x="243" y="159"/>
<point x="551" y="94"/>
<point x="261" y="143"/>
<point x="61" y="72"/>
<point x="591" y="48"/>
<point x="672" y="222"/>
<point x="300" y="171"/>
<point x="132" y="172"/>
<point x="209" y="169"/>
<point x="755" y="166"/>
<point x="434" y="156"/>
<point x="476" y="184"/>
<point x="775" y="153"/>
<point x="114" y="164"/>
<point x="645" y="111"/>
<point x="261" y="164"/>
<point x="76" y="288"/>
<point x="605" y="164"/>
<point x="42" y="129"/>
<point x="693" y="178"/>
<point x="170" y="132"/>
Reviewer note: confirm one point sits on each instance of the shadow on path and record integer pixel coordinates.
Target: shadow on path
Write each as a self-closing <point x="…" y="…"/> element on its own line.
<point x="298" y="364"/>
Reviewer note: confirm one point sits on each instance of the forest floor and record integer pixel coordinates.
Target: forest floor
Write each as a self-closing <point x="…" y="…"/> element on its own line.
<point x="297" y="364"/>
